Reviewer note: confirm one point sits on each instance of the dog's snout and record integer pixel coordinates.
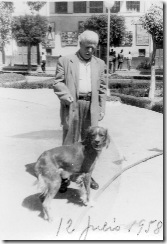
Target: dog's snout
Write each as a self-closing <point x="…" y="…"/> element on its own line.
<point x="97" y="139"/>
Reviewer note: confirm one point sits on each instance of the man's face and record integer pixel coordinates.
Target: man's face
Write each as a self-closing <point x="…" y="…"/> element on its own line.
<point x="87" y="49"/>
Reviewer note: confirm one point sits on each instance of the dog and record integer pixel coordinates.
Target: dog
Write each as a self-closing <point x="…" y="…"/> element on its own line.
<point x="76" y="160"/>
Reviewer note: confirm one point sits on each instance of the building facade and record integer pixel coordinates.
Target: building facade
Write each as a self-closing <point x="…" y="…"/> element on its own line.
<point x="66" y="17"/>
<point x="64" y="27"/>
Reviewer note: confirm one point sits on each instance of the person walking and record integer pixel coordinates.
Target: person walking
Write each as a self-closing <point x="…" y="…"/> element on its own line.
<point x="120" y="59"/>
<point x="114" y="61"/>
<point x="43" y="62"/>
<point x="81" y="87"/>
<point x="129" y="61"/>
<point x="111" y="59"/>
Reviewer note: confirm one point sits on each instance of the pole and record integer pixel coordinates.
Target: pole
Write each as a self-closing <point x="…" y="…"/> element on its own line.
<point x="108" y="49"/>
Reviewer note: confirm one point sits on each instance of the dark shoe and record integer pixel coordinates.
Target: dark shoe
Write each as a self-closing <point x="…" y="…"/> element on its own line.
<point x="94" y="185"/>
<point x="64" y="184"/>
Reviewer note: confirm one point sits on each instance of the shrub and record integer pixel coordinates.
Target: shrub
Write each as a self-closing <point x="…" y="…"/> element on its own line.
<point x="11" y="77"/>
<point x="141" y="102"/>
<point x="158" y="106"/>
<point x="134" y="101"/>
<point x="144" y="65"/>
<point x="29" y="85"/>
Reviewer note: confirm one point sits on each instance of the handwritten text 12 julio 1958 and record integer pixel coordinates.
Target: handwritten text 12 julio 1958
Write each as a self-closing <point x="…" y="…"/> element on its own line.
<point x="154" y="227"/>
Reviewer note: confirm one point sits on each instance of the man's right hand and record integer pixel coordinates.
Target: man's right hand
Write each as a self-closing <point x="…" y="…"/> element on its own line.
<point x="68" y="100"/>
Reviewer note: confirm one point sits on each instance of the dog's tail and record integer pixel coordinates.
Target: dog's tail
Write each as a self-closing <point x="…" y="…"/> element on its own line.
<point x="41" y="185"/>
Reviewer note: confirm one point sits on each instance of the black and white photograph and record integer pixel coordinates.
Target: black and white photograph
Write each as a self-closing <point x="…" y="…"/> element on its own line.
<point x="81" y="121"/>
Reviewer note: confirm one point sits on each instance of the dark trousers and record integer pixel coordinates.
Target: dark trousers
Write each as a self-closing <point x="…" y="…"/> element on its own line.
<point x="77" y="127"/>
<point x="43" y="65"/>
<point x="120" y="64"/>
<point x="114" y="64"/>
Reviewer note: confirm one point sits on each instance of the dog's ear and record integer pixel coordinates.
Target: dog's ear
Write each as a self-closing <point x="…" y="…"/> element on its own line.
<point x="107" y="139"/>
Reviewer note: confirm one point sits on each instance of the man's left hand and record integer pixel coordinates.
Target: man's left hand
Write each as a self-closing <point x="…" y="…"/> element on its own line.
<point x="101" y="116"/>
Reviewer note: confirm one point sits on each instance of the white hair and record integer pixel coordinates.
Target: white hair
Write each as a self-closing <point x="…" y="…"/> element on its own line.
<point x="89" y="36"/>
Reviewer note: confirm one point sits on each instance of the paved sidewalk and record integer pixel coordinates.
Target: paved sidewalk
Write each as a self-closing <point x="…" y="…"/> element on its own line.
<point x="131" y="207"/>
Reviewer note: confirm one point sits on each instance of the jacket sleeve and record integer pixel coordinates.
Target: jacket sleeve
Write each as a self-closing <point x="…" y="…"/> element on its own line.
<point x="102" y="89"/>
<point x="60" y="88"/>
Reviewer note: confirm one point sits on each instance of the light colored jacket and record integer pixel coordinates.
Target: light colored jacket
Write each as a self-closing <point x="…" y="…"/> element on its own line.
<point x="66" y="83"/>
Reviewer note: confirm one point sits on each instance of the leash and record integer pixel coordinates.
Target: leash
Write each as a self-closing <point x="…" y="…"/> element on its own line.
<point x="98" y="194"/>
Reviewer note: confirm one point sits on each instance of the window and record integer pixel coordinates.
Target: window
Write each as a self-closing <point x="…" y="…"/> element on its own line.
<point x="80" y="7"/>
<point x="48" y="51"/>
<point x="115" y="8"/>
<point x="96" y="7"/>
<point x="60" y="7"/>
<point x="133" y="6"/>
<point x="142" y="52"/>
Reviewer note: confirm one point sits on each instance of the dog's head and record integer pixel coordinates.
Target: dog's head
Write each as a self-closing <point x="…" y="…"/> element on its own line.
<point x="97" y="137"/>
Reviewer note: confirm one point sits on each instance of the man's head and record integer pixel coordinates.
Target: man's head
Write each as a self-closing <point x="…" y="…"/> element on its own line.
<point x="88" y="43"/>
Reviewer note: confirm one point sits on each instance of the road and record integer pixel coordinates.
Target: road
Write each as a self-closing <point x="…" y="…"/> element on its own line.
<point x="130" y="208"/>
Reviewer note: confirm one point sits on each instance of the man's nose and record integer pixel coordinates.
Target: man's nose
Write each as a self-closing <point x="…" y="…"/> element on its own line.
<point x="90" y="49"/>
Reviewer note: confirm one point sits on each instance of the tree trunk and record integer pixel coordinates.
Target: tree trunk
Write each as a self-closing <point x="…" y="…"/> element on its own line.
<point x="38" y="55"/>
<point x="152" y="82"/>
<point x="3" y="54"/>
<point x="29" y="57"/>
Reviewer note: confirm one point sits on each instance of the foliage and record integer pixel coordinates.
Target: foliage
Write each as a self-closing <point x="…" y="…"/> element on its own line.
<point x="133" y="84"/>
<point x="98" y="23"/>
<point x="6" y="10"/>
<point x="158" y="106"/>
<point x="144" y="65"/>
<point x="29" y="85"/>
<point x="11" y="77"/>
<point x="35" y="5"/>
<point x="29" y="29"/>
<point x="127" y="39"/>
<point x="152" y="21"/>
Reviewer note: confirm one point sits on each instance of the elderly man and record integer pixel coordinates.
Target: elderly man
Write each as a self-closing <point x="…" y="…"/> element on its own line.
<point x="81" y="88"/>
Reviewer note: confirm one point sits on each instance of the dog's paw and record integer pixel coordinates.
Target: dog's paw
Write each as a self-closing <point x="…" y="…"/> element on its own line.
<point x="50" y="220"/>
<point x="91" y="203"/>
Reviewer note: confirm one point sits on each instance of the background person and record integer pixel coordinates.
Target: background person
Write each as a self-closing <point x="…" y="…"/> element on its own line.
<point x="111" y="57"/>
<point x="114" y="61"/>
<point x="129" y="61"/>
<point x="81" y="88"/>
<point x="120" y="59"/>
<point x="43" y="62"/>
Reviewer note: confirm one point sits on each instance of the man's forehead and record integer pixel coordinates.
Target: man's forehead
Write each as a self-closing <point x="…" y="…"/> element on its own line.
<point x="89" y="44"/>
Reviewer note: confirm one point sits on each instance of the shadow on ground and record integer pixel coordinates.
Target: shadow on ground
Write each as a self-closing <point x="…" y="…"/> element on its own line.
<point x="33" y="202"/>
<point x="42" y="134"/>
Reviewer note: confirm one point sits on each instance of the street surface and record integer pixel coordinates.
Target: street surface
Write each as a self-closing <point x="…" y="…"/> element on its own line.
<point x="130" y="208"/>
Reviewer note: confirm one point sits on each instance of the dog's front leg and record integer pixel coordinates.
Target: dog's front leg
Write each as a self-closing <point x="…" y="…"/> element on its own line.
<point x="87" y="180"/>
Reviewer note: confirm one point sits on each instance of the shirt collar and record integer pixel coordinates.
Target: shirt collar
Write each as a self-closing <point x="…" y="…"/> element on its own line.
<point x="81" y="58"/>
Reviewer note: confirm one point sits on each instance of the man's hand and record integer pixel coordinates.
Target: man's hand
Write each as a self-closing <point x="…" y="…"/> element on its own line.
<point x="101" y="116"/>
<point x="68" y="100"/>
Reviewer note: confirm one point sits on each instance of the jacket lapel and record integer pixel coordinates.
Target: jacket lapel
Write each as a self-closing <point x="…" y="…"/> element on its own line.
<point x="94" y="74"/>
<point x="75" y="71"/>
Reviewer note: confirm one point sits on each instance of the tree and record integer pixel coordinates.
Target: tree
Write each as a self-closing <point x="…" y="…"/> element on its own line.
<point x="6" y="10"/>
<point x="36" y="6"/>
<point x="152" y="21"/>
<point x="98" y="23"/>
<point x="29" y="30"/>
